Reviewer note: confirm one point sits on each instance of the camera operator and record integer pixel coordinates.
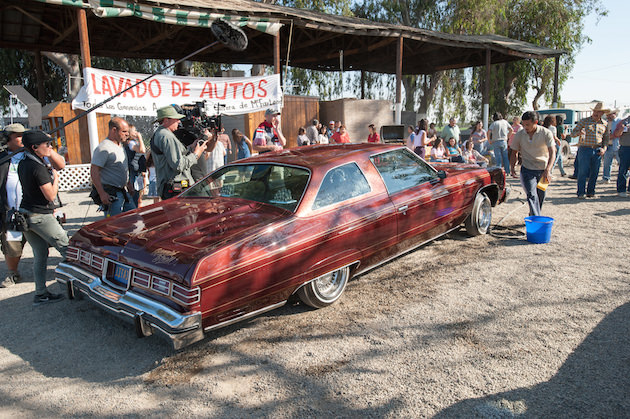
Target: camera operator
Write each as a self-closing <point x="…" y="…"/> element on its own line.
<point x="172" y="160"/>
<point x="11" y="197"/>
<point x="40" y="184"/>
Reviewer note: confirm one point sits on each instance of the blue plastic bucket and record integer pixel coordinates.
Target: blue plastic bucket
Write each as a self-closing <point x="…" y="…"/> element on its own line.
<point x="538" y="228"/>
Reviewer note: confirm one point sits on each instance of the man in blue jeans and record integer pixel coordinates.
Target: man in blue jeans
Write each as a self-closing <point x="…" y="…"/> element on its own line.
<point x="537" y="149"/>
<point x="498" y="133"/>
<point x="594" y="138"/>
<point x="109" y="170"/>
<point x="612" y="152"/>
<point x="623" y="132"/>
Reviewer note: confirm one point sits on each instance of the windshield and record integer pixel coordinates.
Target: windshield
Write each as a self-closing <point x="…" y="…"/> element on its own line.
<point x="282" y="186"/>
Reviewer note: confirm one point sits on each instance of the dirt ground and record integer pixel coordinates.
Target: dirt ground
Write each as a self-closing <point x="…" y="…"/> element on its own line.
<point x="489" y="327"/>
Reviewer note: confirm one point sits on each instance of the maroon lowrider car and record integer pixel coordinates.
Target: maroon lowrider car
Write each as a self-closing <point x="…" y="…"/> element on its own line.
<point x="255" y="232"/>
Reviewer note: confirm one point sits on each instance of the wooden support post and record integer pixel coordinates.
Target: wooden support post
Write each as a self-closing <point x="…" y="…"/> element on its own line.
<point x="398" y="104"/>
<point x="276" y="53"/>
<point x="486" y="91"/>
<point x="555" y="82"/>
<point x="39" y="73"/>
<point x="86" y="58"/>
<point x="84" y="39"/>
<point x="362" y="84"/>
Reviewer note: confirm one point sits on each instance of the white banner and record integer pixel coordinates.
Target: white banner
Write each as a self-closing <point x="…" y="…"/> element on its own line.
<point x="230" y="96"/>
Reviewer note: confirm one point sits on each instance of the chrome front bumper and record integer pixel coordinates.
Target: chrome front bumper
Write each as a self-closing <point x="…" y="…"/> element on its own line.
<point x="147" y="315"/>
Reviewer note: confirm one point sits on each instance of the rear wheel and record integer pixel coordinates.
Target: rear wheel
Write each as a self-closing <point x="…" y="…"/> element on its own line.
<point x="478" y="222"/>
<point x="326" y="289"/>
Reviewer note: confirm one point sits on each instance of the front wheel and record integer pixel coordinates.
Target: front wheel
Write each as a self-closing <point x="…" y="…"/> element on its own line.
<point x="478" y="222"/>
<point x="326" y="289"/>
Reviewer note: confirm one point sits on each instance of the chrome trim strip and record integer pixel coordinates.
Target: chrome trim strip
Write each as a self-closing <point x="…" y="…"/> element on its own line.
<point x="180" y="329"/>
<point x="244" y="316"/>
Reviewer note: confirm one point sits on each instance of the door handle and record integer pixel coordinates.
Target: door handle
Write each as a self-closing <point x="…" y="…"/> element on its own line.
<point x="403" y="209"/>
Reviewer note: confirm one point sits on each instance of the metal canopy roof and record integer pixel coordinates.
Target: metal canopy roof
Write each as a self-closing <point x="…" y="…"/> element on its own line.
<point x="51" y="25"/>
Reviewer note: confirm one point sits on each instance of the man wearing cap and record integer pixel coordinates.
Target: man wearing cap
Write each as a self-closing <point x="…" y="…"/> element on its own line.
<point x="594" y="138"/>
<point x="172" y="159"/>
<point x="330" y="129"/>
<point x="40" y="184"/>
<point x="612" y="152"/>
<point x="11" y="197"/>
<point x="110" y="170"/>
<point x="268" y="136"/>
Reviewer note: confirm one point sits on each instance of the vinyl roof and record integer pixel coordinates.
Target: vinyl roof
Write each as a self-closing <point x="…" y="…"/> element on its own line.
<point x="140" y="30"/>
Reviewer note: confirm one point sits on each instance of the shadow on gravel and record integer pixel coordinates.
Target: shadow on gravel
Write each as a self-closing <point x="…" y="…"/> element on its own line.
<point x="73" y="338"/>
<point x="593" y="381"/>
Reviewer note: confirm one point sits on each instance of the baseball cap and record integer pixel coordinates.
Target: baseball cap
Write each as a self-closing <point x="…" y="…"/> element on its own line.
<point x="272" y="112"/>
<point x="35" y="137"/>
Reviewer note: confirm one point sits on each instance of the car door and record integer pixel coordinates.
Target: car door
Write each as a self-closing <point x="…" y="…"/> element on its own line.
<point x="421" y="198"/>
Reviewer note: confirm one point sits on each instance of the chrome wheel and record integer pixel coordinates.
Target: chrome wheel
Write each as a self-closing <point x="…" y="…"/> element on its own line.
<point x="478" y="222"/>
<point x="326" y="289"/>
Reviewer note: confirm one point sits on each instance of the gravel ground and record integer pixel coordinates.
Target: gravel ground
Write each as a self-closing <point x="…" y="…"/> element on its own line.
<point x="464" y="327"/>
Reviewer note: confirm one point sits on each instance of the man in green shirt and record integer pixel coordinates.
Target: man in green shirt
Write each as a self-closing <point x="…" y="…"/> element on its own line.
<point x="172" y="159"/>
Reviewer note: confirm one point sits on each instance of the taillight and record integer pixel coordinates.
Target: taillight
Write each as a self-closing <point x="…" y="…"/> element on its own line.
<point x="186" y="296"/>
<point x="84" y="257"/>
<point x="72" y="253"/>
<point x="97" y="263"/>
<point x="161" y="285"/>
<point x="141" y="278"/>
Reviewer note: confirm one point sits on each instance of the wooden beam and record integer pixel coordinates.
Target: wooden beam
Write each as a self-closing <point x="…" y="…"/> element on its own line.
<point x="36" y="19"/>
<point x="346" y="53"/>
<point x="276" y="53"/>
<point x="70" y="29"/>
<point x="83" y="38"/>
<point x="170" y="31"/>
<point x="399" y="60"/>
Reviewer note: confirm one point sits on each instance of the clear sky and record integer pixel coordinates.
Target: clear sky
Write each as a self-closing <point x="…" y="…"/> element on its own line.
<point x="602" y="68"/>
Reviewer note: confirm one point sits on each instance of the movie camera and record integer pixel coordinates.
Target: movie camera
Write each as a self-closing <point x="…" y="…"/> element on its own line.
<point x="196" y="121"/>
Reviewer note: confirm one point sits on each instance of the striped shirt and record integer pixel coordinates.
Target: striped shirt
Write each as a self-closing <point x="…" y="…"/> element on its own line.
<point x="597" y="133"/>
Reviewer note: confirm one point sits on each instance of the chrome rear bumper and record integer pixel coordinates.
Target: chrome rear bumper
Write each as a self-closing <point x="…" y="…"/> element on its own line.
<point x="147" y="315"/>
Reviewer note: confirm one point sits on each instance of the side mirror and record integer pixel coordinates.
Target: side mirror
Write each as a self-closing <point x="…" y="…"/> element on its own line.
<point x="441" y="174"/>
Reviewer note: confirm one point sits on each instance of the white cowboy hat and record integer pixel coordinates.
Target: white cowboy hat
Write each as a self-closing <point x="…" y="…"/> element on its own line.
<point x="599" y="106"/>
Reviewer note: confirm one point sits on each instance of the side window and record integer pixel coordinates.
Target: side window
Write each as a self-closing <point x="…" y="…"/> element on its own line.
<point x="341" y="183"/>
<point x="401" y="169"/>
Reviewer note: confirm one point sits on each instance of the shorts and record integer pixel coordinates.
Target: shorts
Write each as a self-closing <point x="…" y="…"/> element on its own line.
<point x="11" y="249"/>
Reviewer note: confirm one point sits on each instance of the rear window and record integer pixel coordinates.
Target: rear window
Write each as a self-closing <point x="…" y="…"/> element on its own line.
<point x="340" y="184"/>
<point x="282" y="186"/>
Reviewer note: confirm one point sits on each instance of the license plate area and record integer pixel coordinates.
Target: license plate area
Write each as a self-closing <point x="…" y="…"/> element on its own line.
<point x="117" y="275"/>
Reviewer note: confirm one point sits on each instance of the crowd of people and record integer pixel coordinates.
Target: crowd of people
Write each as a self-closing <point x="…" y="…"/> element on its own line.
<point x="122" y="167"/>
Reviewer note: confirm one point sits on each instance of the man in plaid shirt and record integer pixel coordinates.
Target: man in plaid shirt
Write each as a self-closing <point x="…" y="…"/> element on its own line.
<point x="594" y="138"/>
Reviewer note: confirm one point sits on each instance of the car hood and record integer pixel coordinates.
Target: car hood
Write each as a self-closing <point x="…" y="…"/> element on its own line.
<point x="168" y="238"/>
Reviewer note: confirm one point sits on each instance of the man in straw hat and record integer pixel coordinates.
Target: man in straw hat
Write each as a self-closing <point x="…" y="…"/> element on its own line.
<point x="594" y="138"/>
<point x="172" y="159"/>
